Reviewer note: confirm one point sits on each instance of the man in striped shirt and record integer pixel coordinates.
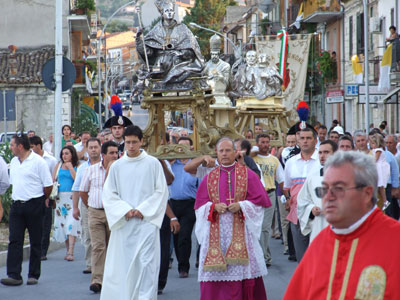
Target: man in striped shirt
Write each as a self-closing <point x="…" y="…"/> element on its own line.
<point x="91" y="191"/>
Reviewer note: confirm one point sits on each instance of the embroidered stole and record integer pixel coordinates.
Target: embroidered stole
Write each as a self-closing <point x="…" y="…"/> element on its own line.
<point x="237" y="251"/>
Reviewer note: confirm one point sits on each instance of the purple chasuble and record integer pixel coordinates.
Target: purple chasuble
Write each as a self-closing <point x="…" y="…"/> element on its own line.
<point x="255" y="191"/>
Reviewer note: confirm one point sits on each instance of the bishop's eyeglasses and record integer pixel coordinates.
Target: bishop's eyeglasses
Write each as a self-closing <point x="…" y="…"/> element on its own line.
<point x="336" y="190"/>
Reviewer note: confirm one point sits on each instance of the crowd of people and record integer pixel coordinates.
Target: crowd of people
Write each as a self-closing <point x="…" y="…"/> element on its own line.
<point x="311" y="193"/>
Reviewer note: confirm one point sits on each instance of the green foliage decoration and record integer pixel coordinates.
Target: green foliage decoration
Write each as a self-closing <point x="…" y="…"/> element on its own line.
<point x="327" y="67"/>
<point x="6" y="200"/>
<point x="85" y="4"/>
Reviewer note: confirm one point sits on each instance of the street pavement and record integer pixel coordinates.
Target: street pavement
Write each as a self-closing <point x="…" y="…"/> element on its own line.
<point x="139" y="116"/>
<point x="62" y="280"/>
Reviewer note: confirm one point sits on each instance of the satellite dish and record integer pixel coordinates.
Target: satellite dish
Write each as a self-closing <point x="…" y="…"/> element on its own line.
<point x="68" y="77"/>
<point x="266" y="5"/>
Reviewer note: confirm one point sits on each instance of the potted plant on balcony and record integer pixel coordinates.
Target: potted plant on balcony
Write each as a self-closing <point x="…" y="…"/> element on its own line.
<point x="83" y="6"/>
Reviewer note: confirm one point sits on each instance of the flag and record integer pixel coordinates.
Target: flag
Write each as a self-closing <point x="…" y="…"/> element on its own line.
<point x="282" y="34"/>
<point x="384" y="78"/>
<point x="357" y="69"/>
<point x="299" y="17"/>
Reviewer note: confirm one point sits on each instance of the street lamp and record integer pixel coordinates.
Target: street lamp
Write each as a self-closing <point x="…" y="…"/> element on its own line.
<point x="98" y="55"/>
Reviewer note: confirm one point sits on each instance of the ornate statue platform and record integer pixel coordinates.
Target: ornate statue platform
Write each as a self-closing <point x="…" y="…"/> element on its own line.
<point x="205" y="132"/>
<point x="269" y="111"/>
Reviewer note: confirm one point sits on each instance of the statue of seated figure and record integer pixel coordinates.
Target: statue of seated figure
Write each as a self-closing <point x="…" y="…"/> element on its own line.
<point x="256" y="80"/>
<point x="172" y="50"/>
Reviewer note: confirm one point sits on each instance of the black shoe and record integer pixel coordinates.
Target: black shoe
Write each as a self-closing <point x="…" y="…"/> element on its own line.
<point x="159" y="292"/>
<point x="268" y="264"/>
<point x="11" y="281"/>
<point x="95" y="287"/>
<point x="183" y="275"/>
<point x="44" y="257"/>
<point x="292" y="258"/>
<point x="197" y="264"/>
<point x="87" y="271"/>
<point x="286" y="252"/>
<point x="32" y="281"/>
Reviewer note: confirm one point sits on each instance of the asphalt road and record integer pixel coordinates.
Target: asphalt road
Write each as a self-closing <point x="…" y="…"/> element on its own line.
<point x="62" y="280"/>
<point x="138" y="116"/>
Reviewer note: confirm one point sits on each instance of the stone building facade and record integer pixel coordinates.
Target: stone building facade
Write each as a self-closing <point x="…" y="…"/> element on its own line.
<point x="20" y="71"/>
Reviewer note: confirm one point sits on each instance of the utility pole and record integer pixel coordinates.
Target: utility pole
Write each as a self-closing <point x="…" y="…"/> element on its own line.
<point x="98" y="57"/>
<point x="58" y="79"/>
<point x="5" y="115"/>
<point x="366" y="59"/>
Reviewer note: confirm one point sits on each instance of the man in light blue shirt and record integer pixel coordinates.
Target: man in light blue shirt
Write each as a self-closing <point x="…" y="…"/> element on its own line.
<point x="183" y="194"/>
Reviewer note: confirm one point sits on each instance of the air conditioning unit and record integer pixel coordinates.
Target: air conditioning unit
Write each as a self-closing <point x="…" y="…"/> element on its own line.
<point x="375" y="25"/>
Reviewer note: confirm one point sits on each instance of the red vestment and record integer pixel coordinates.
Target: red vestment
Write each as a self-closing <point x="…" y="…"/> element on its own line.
<point x="364" y="264"/>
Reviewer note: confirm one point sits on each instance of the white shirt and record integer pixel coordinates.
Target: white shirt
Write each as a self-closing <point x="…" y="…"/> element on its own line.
<point x="48" y="147"/>
<point x="79" y="147"/>
<point x="79" y="175"/>
<point x="92" y="183"/>
<point x="4" y="182"/>
<point x="29" y="177"/>
<point x="297" y="169"/>
<point x="50" y="160"/>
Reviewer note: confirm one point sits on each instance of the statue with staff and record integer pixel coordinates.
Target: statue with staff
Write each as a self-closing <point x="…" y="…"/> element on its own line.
<point x="170" y="50"/>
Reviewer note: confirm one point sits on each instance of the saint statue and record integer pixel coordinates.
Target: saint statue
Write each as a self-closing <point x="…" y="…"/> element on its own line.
<point x="218" y="73"/>
<point x="256" y="79"/>
<point x="172" y="50"/>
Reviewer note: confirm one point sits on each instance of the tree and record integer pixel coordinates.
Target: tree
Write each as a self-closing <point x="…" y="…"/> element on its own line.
<point x="210" y="14"/>
<point x="117" y="26"/>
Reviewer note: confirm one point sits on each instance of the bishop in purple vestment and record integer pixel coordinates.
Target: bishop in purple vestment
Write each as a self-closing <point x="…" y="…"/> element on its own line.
<point x="229" y="208"/>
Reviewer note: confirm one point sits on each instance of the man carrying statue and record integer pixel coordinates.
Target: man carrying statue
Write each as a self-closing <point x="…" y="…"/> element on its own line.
<point x="256" y="80"/>
<point x="218" y="73"/>
<point x="172" y="51"/>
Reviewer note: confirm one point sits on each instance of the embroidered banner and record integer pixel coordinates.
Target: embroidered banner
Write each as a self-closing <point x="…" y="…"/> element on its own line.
<point x="268" y="49"/>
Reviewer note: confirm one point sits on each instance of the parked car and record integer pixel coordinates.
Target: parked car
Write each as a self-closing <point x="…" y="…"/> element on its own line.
<point x="125" y="95"/>
<point x="126" y="104"/>
<point x="10" y="134"/>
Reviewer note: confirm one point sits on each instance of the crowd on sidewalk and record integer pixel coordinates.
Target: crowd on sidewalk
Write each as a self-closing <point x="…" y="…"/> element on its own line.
<point x="321" y="194"/>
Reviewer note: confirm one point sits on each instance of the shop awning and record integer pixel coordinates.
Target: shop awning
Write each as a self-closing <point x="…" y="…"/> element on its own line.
<point x="388" y="98"/>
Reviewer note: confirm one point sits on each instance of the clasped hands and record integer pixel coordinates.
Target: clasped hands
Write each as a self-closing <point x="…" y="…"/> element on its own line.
<point x="133" y="213"/>
<point x="222" y="208"/>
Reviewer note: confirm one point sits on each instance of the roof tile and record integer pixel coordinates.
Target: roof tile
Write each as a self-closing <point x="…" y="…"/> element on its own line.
<point x="24" y="66"/>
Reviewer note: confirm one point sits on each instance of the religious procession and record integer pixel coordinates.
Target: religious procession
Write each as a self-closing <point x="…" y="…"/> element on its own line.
<point x="228" y="181"/>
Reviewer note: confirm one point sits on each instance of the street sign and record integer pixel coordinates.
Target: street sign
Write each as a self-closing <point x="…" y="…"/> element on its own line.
<point x="373" y="90"/>
<point x="335" y="96"/>
<point x="351" y="90"/>
<point x="68" y="78"/>
<point x="374" y="98"/>
<point x="10" y="105"/>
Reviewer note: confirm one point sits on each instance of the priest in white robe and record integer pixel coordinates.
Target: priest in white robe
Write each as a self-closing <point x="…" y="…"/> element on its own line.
<point x="135" y="197"/>
<point x="309" y="201"/>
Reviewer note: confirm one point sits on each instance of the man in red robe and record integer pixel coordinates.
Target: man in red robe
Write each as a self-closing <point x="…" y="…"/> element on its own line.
<point x="358" y="255"/>
<point x="229" y="208"/>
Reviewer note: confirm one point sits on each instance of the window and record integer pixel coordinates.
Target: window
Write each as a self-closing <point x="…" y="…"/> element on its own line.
<point x="326" y="44"/>
<point x="391" y="17"/>
<point x="334" y="40"/>
<point x="351" y="36"/>
<point x="371" y="37"/>
<point x="360" y="33"/>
